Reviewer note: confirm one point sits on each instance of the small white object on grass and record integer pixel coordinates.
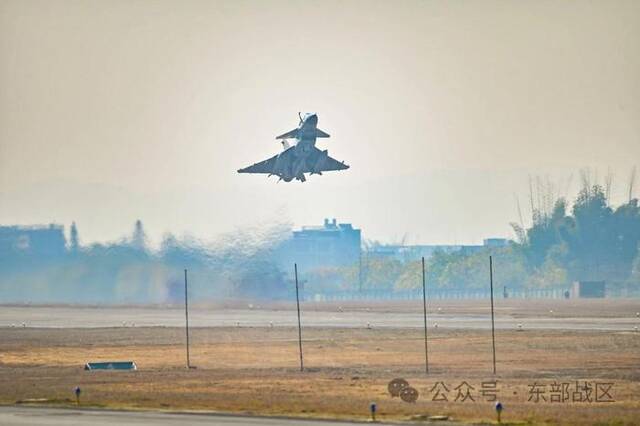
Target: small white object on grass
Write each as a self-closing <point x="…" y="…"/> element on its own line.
<point x="635" y="328"/>
<point x="439" y="310"/>
<point x="369" y="326"/>
<point x="339" y="308"/>
<point x="270" y="323"/>
<point x="435" y="325"/>
<point x="24" y="324"/>
<point x="237" y="324"/>
<point x="550" y="311"/>
<point x="638" y="314"/>
<point x="250" y="305"/>
<point x="519" y="327"/>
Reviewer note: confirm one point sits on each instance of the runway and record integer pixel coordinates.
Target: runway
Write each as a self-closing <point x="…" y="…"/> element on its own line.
<point x="35" y="416"/>
<point x="93" y="317"/>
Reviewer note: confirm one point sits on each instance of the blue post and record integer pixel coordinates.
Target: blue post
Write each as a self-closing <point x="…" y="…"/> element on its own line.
<point x="77" y="392"/>
<point x="498" y="409"/>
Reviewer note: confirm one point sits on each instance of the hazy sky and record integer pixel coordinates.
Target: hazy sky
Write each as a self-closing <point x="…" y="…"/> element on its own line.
<point x="116" y="110"/>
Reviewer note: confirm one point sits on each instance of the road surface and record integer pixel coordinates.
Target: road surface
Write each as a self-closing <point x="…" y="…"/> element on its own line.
<point x="90" y="317"/>
<point x="32" y="416"/>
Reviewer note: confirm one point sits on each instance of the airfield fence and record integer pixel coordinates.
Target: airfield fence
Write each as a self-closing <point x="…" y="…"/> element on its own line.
<point x="436" y="294"/>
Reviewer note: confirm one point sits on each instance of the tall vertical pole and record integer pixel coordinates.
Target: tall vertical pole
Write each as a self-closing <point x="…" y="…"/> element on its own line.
<point x="424" y="306"/>
<point x="295" y="267"/>
<point x="493" y="327"/>
<point x="186" y="315"/>
<point x="360" y="272"/>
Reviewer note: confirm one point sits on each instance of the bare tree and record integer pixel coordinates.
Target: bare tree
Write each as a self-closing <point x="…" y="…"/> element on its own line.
<point x="632" y="181"/>
<point x="608" y="181"/>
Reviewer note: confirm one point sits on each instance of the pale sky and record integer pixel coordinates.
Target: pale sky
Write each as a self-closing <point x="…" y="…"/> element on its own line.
<point x="116" y="110"/>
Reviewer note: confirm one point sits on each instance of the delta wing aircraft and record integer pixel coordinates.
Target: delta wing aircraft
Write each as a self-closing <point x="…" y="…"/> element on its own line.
<point x="301" y="157"/>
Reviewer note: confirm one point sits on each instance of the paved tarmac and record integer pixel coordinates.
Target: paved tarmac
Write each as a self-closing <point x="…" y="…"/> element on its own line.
<point x="35" y="416"/>
<point x="91" y="317"/>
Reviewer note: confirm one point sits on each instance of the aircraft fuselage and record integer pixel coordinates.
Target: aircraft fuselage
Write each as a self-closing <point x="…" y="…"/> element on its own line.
<point x="305" y="142"/>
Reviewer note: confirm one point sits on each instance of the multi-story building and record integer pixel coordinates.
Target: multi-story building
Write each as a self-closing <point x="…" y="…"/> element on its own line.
<point x="330" y="245"/>
<point x="38" y="240"/>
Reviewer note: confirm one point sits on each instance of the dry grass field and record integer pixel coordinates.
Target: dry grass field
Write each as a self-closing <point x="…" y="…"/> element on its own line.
<point x="256" y="370"/>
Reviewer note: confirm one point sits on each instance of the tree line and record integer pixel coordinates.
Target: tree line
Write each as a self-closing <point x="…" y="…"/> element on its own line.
<point x="584" y="238"/>
<point x="591" y="240"/>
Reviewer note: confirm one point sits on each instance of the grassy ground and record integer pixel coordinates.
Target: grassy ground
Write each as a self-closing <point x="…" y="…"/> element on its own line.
<point x="256" y="370"/>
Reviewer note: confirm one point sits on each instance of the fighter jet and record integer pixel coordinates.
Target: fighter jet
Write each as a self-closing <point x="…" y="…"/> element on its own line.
<point x="301" y="157"/>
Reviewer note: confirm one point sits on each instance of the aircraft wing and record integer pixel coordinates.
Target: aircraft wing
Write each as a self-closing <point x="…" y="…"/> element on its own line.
<point x="267" y="166"/>
<point x="291" y="134"/>
<point x="321" y="162"/>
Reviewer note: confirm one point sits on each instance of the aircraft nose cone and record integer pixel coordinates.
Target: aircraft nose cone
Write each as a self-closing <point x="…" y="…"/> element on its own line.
<point x="313" y="119"/>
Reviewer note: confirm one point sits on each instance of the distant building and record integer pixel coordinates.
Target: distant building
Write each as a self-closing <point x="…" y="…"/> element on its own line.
<point x="496" y="242"/>
<point x="412" y="253"/>
<point x="330" y="245"/>
<point x="44" y="240"/>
